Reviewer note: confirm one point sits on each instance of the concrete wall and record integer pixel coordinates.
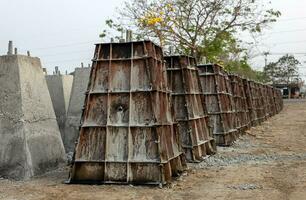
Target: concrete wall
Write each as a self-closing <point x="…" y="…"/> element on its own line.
<point x="60" y="89"/>
<point x="30" y="141"/>
<point x="76" y="103"/>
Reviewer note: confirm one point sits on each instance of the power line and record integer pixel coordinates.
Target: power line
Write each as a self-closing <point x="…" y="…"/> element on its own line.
<point x="301" y="54"/>
<point x="66" y="45"/>
<point x="291" y="19"/>
<point x="283" y="53"/>
<point x="68" y="60"/>
<point x="96" y="41"/>
<point x="67" y="53"/>
<point x="290" y="42"/>
<point x="288" y="31"/>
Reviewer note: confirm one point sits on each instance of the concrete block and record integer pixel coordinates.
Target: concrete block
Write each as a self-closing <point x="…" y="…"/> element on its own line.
<point x="76" y="103"/>
<point x="30" y="141"/>
<point x="60" y="89"/>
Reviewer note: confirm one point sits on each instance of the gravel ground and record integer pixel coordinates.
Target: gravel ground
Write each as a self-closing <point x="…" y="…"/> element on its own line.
<point x="241" y="153"/>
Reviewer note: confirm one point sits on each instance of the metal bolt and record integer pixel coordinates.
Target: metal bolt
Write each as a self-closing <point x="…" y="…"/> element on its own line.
<point x="10" y="48"/>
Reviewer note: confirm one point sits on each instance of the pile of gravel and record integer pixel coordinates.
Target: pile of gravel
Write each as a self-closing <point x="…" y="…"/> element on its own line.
<point x="221" y="160"/>
<point x="246" y="186"/>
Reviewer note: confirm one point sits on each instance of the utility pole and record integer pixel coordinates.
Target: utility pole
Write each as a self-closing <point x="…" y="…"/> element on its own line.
<point x="266" y="57"/>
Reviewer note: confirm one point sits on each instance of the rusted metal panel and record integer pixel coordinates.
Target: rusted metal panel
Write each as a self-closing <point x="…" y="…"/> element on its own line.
<point x="127" y="132"/>
<point x="270" y="101"/>
<point x="261" y="104"/>
<point x="240" y="103"/>
<point x="254" y="100"/>
<point x="249" y="99"/>
<point x="217" y="92"/>
<point x="263" y="101"/>
<point x="268" y="106"/>
<point x="189" y="108"/>
<point x="257" y="103"/>
<point x="244" y="106"/>
<point x="278" y="100"/>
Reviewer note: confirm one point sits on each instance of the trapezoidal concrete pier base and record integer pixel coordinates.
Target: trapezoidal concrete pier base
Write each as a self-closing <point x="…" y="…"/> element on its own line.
<point x="30" y="141"/>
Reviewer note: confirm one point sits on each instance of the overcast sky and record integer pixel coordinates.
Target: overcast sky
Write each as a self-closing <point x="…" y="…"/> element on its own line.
<point x="288" y="35"/>
<point x="63" y="32"/>
<point x="60" y="32"/>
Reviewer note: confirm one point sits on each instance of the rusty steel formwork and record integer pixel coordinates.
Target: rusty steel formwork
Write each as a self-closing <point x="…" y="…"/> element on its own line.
<point x="218" y="97"/>
<point x="278" y="100"/>
<point x="127" y="132"/>
<point x="263" y="101"/>
<point x="242" y="120"/>
<point x="271" y="102"/>
<point x="257" y="103"/>
<point x="189" y="108"/>
<point x="250" y="103"/>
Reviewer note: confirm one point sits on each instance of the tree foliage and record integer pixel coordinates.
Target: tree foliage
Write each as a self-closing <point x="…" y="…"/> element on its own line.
<point x="200" y="28"/>
<point x="285" y="70"/>
<point x="242" y="68"/>
<point x="197" y="27"/>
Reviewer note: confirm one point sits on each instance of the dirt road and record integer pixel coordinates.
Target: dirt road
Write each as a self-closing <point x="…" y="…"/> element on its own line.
<point x="268" y="163"/>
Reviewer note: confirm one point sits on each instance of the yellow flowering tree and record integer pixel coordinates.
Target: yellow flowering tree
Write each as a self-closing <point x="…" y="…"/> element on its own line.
<point x="198" y="27"/>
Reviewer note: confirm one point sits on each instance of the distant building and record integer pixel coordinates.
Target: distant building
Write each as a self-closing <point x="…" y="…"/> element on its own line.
<point x="292" y="90"/>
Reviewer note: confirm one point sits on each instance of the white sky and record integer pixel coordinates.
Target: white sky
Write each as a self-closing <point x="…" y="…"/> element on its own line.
<point x="63" y="32"/>
<point x="285" y="36"/>
<point x="60" y="32"/>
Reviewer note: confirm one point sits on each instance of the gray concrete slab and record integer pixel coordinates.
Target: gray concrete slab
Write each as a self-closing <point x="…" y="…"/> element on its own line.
<point x="60" y="89"/>
<point x="30" y="141"/>
<point x="76" y="103"/>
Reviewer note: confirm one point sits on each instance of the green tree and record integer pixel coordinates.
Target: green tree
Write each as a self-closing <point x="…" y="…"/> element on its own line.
<point x="242" y="68"/>
<point x="285" y="70"/>
<point x="198" y="27"/>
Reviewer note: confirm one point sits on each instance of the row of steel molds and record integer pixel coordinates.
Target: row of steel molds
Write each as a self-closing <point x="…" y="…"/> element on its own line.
<point x="242" y="120"/>
<point x="246" y="123"/>
<point x="258" y="112"/>
<point x="248" y="88"/>
<point x="272" y="100"/>
<point x="280" y="97"/>
<point x="189" y="108"/>
<point x="261" y="104"/>
<point x="127" y="132"/>
<point x="263" y="101"/>
<point x="271" y="106"/>
<point x="217" y="92"/>
<point x="278" y="100"/>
